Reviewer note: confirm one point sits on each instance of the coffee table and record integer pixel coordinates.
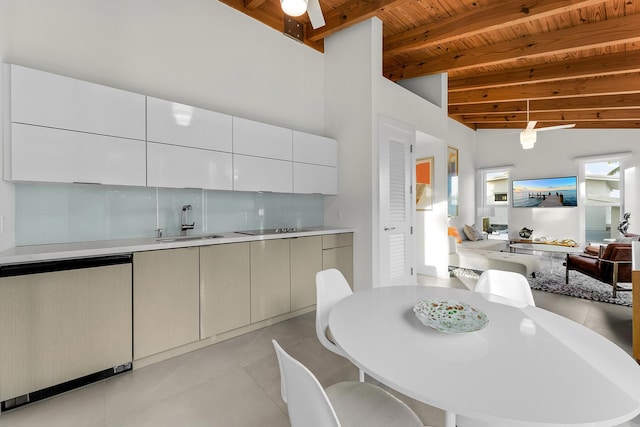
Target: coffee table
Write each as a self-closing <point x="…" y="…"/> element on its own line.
<point x="546" y="247"/>
<point x="550" y="249"/>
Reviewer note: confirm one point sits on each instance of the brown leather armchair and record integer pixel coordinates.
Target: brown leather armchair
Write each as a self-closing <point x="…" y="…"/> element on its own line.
<point x="612" y="265"/>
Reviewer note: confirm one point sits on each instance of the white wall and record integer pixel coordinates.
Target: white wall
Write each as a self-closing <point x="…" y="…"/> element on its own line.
<point x="357" y="96"/>
<point x="430" y="225"/>
<point x="349" y="119"/>
<point x="464" y="139"/>
<point x="556" y="153"/>
<point x="198" y="52"/>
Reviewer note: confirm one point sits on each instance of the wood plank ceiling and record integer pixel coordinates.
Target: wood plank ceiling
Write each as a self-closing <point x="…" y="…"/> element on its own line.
<point x="575" y="61"/>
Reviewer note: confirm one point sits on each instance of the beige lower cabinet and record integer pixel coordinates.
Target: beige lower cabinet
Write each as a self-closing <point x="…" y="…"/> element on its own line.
<point x="306" y="261"/>
<point x="166" y="300"/>
<point x="225" y="288"/>
<point x="337" y="252"/>
<point x="270" y="279"/>
<point x="61" y="325"/>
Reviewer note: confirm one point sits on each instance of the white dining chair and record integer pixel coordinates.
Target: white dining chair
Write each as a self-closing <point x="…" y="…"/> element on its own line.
<point x="339" y="405"/>
<point x="507" y="284"/>
<point x="331" y="288"/>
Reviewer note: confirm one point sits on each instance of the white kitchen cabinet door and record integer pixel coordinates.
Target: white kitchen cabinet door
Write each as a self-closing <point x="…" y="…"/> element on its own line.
<point x="314" y="149"/>
<point x="262" y="140"/>
<point x="260" y="174"/>
<point x="172" y="123"/>
<point x="45" y="99"/>
<point x="54" y="155"/>
<point x="314" y="179"/>
<point x="183" y="167"/>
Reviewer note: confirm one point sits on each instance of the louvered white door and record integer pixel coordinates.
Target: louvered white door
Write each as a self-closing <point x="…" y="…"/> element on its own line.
<point x="396" y="208"/>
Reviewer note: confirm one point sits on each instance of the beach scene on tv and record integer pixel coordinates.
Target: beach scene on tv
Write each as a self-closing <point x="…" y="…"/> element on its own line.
<point x="547" y="192"/>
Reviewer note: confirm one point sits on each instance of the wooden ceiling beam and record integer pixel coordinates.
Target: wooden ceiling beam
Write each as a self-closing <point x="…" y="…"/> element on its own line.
<point x="606" y="85"/>
<point x="501" y="15"/>
<point x="608" y="102"/>
<point x="559" y="116"/>
<point x="584" y="125"/>
<point x="350" y="13"/>
<point x="586" y="36"/>
<point x="617" y="63"/>
<point x="253" y="4"/>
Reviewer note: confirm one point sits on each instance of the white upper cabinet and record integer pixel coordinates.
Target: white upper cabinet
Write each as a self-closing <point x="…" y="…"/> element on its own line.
<point x="178" y="124"/>
<point x="314" y="149"/>
<point x="182" y="167"/>
<point x="45" y="99"/>
<point x="61" y="129"/>
<point x="259" y="174"/>
<point x="315" y="164"/>
<point x="314" y="179"/>
<point x="55" y="155"/>
<point x="262" y="140"/>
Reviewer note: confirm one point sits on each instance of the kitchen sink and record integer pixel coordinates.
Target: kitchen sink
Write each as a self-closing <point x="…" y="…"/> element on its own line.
<point x="187" y="238"/>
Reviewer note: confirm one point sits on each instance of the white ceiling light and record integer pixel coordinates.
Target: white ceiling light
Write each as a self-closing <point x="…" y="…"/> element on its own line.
<point x="294" y="7"/>
<point x="527" y="139"/>
<point x="528" y="135"/>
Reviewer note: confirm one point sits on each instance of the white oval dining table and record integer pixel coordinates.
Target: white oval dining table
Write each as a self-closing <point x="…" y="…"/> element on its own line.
<point x="526" y="367"/>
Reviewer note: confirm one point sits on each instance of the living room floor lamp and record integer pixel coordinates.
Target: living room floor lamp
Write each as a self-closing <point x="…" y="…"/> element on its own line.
<point x="486" y="212"/>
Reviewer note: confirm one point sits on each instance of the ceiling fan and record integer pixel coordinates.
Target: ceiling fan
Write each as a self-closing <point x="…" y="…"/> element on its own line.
<point x="528" y="135"/>
<point x="298" y="7"/>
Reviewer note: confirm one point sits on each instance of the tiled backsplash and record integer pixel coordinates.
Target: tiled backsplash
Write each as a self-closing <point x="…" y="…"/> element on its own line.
<point x="60" y="213"/>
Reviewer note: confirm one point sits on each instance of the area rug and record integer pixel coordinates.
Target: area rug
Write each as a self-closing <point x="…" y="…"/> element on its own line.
<point x="551" y="278"/>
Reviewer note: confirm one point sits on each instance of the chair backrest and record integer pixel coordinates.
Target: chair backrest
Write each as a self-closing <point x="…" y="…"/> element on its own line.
<point x="617" y="252"/>
<point x="507" y="284"/>
<point x="331" y="287"/>
<point x="307" y="403"/>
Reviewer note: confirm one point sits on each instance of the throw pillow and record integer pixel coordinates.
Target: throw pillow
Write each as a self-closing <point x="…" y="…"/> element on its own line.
<point x="472" y="232"/>
<point x="452" y="231"/>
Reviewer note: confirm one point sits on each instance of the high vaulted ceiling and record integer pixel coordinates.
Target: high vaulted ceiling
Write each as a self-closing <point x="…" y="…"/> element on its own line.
<point x="576" y="61"/>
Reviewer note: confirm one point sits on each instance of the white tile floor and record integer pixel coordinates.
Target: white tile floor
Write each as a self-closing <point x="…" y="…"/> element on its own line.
<point x="236" y="383"/>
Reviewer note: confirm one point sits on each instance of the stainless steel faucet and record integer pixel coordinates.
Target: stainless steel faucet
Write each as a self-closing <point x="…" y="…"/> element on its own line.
<point x="185" y="226"/>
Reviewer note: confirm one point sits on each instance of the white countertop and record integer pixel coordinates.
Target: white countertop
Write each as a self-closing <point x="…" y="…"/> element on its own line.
<point x="34" y="253"/>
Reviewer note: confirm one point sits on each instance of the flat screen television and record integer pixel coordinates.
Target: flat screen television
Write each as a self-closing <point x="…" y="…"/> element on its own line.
<point x="545" y="192"/>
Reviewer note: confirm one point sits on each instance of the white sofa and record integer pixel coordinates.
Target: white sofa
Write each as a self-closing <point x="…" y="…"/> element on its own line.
<point x="490" y="254"/>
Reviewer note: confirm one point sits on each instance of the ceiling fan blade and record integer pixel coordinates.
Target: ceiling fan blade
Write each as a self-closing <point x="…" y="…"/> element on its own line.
<point x="315" y="14"/>
<point x="556" y="127"/>
<point x="531" y="124"/>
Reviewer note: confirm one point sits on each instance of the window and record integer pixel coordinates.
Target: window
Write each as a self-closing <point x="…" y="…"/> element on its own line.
<point x="602" y="200"/>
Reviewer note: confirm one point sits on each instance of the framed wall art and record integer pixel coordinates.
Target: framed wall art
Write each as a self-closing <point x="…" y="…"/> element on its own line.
<point x="424" y="184"/>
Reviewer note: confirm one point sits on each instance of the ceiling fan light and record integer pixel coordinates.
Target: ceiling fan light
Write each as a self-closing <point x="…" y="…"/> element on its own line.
<point x="527" y="139"/>
<point x="294" y="7"/>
